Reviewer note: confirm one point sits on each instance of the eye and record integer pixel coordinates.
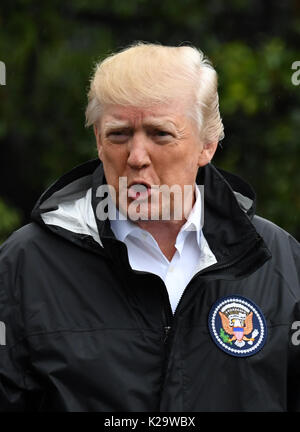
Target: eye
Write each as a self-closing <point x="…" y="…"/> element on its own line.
<point x="118" y="136"/>
<point x="162" y="135"/>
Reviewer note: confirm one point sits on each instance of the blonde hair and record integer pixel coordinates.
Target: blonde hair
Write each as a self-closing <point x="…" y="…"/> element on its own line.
<point x="146" y="74"/>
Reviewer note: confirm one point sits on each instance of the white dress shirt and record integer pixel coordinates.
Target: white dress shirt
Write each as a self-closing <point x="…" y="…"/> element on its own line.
<point x="192" y="252"/>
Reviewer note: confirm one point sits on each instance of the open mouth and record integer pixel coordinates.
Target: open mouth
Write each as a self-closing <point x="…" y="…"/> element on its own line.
<point x="139" y="191"/>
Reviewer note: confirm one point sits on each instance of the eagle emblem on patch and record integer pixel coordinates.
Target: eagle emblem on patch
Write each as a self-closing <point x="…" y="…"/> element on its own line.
<point x="237" y="326"/>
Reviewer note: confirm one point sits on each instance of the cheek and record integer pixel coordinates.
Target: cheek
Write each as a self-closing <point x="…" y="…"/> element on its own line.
<point x="114" y="156"/>
<point x="114" y="164"/>
<point x="190" y="161"/>
<point x="177" y="165"/>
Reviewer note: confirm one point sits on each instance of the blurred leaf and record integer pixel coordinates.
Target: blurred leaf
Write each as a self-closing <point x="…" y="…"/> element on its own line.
<point x="10" y="220"/>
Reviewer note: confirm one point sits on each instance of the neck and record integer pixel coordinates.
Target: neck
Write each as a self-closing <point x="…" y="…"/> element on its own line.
<point x="165" y="233"/>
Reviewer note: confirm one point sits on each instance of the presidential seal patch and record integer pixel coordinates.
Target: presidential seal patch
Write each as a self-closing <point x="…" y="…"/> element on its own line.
<point x="237" y="326"/>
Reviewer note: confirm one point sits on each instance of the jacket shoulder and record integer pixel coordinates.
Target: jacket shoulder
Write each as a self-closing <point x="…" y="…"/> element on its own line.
<point x="272" y="233"/>
<point x="285" y="251"/>
<point x="24" y="235"/>
<point x="275" y="237"/>
<point x="21" y="241"/>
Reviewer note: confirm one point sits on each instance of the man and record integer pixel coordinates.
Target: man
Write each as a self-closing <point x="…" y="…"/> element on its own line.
<point x="182" y="299"/>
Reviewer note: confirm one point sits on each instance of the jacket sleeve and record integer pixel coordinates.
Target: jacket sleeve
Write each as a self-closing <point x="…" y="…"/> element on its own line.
<point x="285" y="251"/>
<point x="293" y="384"/>
<point x="16" y="390"/>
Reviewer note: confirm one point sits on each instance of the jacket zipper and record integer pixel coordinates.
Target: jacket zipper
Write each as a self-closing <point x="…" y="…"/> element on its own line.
<point x="167" y="317"/>
<point x="166" y="329"/>
<point x="167" y="313"/>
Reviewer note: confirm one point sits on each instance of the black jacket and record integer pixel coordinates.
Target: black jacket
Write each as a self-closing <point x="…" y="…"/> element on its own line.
<point x="84" y="332"/>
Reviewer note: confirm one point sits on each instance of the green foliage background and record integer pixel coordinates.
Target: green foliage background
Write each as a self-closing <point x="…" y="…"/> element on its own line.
<point x="50" y="49"/>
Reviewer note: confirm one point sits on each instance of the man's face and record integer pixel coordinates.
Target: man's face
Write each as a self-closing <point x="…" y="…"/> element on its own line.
<point x="151" y="148"/>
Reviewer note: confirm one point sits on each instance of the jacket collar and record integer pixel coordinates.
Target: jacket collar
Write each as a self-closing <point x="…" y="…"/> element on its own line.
<point x="229" y="206"/>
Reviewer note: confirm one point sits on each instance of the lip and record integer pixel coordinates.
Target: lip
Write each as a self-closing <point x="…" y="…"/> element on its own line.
<point x="142" y="182"/>
<point x="137" y="195"/>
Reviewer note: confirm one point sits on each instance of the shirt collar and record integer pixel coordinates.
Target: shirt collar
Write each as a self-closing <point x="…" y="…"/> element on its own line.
<point x="193" y="223"/>
<point x="124" y="228"/>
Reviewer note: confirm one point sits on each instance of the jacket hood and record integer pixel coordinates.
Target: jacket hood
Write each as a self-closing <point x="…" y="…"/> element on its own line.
<point x="229" y="206"/>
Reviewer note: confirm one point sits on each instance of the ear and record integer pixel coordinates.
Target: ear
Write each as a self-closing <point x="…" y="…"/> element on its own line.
<point x="207" y="153"/>
<point x="98" y="140"/>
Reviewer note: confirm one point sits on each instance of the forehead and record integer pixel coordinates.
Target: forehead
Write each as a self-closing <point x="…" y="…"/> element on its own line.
<point x="132" y="115"/>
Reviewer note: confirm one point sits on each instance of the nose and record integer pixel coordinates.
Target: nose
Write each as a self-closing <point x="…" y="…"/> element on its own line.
<point x="138" y="152"/>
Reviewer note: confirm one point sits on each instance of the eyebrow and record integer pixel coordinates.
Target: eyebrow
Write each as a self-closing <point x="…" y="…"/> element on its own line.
<point x="149" y="122"/>
<point x="115" y="124"/>
<point x="159" y="123"/>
